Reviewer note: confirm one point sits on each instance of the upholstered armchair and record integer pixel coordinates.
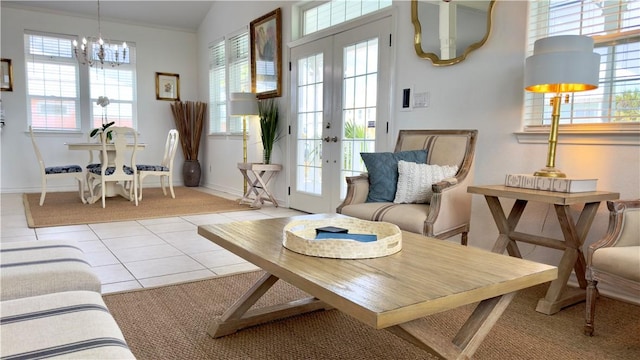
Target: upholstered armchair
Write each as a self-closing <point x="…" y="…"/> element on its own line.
<point x="615" y="259"/>
<point x="447" y="211"/>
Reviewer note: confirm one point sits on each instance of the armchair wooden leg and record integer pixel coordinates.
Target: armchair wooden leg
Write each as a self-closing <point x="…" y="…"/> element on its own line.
<point x="464" y="238"/>
<point x="592" y="292"/>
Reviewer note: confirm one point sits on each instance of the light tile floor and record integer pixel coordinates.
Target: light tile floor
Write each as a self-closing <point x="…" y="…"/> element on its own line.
<point x="144" y="253"/>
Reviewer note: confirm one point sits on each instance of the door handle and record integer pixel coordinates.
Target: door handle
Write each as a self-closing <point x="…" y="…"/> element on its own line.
<point x="328" y="139"/>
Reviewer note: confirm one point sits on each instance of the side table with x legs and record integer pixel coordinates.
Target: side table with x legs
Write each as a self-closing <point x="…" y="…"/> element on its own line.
<point x="558" y="295"/>
<point x="258" y="176"/>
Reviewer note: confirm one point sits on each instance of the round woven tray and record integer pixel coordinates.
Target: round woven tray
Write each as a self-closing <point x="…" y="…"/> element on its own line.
<point x="299" y="236"/>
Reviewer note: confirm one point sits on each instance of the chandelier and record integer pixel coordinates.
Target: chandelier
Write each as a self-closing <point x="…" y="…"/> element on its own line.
<point x="93" y="51"/>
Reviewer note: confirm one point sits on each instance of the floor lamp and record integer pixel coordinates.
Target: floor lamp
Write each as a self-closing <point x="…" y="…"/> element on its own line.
<point x="560" y="64"/>
<point x="243" y="104"/>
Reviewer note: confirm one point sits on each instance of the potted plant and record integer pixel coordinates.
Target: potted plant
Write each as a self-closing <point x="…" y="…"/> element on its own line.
<point x="189" y="119"/>
<point x="103" y="101"/>
<point x="268" y="113"/>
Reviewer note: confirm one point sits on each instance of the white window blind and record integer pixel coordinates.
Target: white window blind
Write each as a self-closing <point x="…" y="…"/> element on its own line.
<point x="217" y="94"/>
<point x="336" y="12"/>
<point x="119" y="85"/>
<point x="52" y="82"/>
<point x="228" y="72"/>
<point x="239" y="72"/>
<point x="615" y="27"/>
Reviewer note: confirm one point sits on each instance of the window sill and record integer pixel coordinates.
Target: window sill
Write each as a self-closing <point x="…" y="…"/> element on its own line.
<point x="540" y="135"/>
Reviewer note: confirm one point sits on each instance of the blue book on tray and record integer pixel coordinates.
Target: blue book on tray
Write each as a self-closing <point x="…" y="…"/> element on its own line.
<point x="345" y="236"/>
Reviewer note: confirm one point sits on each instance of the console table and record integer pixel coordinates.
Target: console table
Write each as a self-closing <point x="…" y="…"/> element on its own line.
<point x="258" y="176"/>
<point x="558" y="295"/>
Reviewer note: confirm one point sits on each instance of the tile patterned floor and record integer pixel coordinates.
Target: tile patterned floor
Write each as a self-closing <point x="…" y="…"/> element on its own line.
<point x="146" y="253"/>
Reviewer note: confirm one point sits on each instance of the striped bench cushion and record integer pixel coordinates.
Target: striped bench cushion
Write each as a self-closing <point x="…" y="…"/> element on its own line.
<point x="43" y="267"/>
<point x="70" y="325"/>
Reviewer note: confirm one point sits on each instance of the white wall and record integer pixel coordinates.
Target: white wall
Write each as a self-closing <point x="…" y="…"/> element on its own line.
<point x="158" y="50"/>
<point x="484" y="92"/>
<point x="219" y="164"/>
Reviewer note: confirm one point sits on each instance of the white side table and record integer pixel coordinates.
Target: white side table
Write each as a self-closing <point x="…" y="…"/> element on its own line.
<point x="258" y="176"/>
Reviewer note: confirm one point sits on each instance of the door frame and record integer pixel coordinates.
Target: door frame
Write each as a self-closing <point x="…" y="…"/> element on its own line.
<point x="383" y="143"/>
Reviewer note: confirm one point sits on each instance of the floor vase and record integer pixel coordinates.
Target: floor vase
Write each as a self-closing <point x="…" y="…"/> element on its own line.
<point x="191" y="173"/>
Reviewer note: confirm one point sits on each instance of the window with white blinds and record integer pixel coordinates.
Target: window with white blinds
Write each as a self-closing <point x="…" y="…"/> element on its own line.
<point x="228" y="72"/>
<point x="53" y="84"/>
<point x="615" y="27"/>
<point x="53" y="100"/>
<point x="119" y="85"/>
<point x="336" y="12"/>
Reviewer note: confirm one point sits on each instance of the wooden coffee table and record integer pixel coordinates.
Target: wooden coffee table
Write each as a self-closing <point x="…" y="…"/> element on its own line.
<point x="428" y="276"/>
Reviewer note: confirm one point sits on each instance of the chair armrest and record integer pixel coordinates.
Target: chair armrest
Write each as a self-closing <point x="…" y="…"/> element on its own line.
<point x="617" y="234"/>
<point x="443" y="184"/>
<point x="450" y="206"/>
<point x="357" y="191"/>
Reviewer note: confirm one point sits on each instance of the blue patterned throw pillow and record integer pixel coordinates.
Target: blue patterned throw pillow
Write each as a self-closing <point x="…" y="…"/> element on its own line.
<point x="383" y="172"/>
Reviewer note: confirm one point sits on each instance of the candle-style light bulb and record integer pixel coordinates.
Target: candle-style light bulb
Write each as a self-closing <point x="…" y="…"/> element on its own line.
<point x="124" y="45"/>
<point x="75" y="43"/>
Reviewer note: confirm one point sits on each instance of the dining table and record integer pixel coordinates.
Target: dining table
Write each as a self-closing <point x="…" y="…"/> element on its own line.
<point x="111" y="188"/>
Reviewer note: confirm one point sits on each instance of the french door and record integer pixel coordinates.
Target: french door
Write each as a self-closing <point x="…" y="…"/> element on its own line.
<point x="339" y="88"/>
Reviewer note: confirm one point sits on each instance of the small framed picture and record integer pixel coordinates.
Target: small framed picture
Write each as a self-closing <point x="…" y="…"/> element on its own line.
<point x="6" y="75"/>
<point x="266" y="55"/>
<point x="167" y="86"/>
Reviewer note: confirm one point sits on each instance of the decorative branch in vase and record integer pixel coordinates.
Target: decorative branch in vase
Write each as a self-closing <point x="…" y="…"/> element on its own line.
<point x="269" y="116"/>
<point x="189" y="119"/>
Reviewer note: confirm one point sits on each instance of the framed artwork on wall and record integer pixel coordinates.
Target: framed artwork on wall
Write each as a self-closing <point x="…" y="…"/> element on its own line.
<point x="6" y="75"/>
<point x="167" y="86"/>
<point x="266" y="55"/>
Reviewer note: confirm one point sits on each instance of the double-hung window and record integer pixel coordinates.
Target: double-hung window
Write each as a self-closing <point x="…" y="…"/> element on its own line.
<point x="53" y="96"/>
<point x="615" y="27"/>
<point x="54" y="80"/>
<point x="228" y="72"/>
<point x="118" y="84"/>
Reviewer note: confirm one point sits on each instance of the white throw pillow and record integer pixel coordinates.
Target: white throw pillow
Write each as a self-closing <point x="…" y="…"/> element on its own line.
<point x="415" y="180"/>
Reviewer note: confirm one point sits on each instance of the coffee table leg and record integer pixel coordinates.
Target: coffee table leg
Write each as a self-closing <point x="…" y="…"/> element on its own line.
<point x="238" y="316"/>
<point x="469" y="337"/>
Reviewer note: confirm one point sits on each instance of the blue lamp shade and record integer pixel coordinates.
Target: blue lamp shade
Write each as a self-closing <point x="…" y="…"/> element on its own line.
<point x="243" y="104"/>
<point x="560" y="64"/>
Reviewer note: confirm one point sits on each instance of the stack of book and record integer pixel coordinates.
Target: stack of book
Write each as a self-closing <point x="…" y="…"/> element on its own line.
<point x="565" y="185"/>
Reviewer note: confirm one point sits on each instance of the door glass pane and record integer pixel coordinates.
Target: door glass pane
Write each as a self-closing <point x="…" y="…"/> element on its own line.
<point x="359" y="86"/>
<point x="310" y="114"/>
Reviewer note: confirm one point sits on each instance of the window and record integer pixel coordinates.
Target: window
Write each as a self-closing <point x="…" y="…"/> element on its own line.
<point x="615" y="27"/>
<point x="228" y="72"/>
<point x="119" y="85"/>
<point x="53" y="83"/>
<point x="336" y="12"/>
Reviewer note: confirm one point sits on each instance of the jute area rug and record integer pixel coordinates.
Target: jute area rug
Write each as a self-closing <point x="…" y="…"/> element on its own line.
<point x="66" y="208"/>
<point x="170" y="323"/>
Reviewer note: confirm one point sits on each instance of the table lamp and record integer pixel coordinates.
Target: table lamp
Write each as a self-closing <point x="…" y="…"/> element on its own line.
<point x="243" y="104"/>
<point x="560" y="64"/>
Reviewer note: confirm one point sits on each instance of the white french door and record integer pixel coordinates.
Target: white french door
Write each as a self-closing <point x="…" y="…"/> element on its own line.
<point x="339" y="86"/>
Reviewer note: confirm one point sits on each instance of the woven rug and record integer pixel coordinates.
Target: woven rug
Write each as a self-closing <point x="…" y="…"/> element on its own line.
<point x="170" y="323"/>
<point x="66" y="208"/>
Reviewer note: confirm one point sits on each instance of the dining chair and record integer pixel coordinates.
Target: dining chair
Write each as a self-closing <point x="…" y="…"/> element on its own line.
<point x="116" y="170"/>
<point x="56" y="172"/>
<point x="165" y="169"/>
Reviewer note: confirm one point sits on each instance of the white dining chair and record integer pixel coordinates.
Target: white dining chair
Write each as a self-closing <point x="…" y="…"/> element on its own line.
<point x="116" y="170"/>
<point x="56" y="172"/>
<point x="165" y="169"/>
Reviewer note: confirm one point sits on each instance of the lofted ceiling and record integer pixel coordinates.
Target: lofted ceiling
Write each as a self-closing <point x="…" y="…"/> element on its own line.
<point x="178" y="15"/>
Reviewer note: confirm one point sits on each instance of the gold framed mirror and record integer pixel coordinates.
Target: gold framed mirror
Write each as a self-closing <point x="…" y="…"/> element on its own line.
<point x="445" y="32"/>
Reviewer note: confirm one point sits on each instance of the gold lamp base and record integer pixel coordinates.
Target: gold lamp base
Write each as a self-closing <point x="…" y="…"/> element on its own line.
<point x="550" y="172"/>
